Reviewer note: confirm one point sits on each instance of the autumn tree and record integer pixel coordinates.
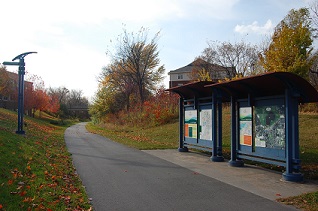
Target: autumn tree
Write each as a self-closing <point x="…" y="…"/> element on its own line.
<point x="138" y="59"/>
<point x="61" y="95"/>
<point x="235" y="58"/>
<point x="291" y="45"/>
<point x="41" y="100"/>
<point x="104" y="103"/>
<point x="119" y="83"/>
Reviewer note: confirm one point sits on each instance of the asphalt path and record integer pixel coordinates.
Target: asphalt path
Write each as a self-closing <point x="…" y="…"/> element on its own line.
<point x="117" y="177"/>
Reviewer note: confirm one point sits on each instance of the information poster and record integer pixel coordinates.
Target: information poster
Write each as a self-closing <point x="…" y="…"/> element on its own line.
<point x="206" y="124"/>
<point x="190" y="124"/>
<point x="270" y="126"/>
<point x="246" y="126"/>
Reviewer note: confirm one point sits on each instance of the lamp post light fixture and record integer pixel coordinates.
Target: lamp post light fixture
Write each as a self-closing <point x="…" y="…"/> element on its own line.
<point x="21" y="72"/>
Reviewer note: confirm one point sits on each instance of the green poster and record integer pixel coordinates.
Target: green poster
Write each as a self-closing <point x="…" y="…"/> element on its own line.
<point x="190" y="124"/>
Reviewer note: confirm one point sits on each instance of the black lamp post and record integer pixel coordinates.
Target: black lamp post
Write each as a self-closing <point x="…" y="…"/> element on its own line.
<point x="21" y="65"/>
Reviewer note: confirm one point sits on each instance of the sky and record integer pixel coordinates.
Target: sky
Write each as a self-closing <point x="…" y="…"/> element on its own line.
<point x="71" y="37"/>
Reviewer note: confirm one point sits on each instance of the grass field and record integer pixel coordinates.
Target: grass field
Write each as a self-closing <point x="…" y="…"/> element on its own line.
<point x="36" y="171"/>
<point x="166" y="136"/>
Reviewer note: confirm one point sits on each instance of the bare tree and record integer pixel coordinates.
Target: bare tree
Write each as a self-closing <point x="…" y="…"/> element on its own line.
<point x="76" y="99"/>
<point x="313" y="73"/>
<point x="237" y="59"/>
<point x="60" y="92"/>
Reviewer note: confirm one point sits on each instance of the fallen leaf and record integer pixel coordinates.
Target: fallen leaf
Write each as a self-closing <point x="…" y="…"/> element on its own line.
<point x="23" y="193"/>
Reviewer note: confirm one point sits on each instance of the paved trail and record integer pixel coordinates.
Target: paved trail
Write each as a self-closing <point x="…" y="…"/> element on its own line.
<point x="121" y="178"/>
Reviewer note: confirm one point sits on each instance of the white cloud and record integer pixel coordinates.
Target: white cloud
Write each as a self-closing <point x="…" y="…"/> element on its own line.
<point x="255" y="28"/>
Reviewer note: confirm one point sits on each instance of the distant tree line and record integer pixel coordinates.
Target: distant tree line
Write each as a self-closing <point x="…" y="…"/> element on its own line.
<point x="56" y="101"/>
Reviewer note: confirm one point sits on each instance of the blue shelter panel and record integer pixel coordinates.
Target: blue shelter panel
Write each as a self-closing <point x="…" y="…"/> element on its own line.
<point x="262" y="129"/>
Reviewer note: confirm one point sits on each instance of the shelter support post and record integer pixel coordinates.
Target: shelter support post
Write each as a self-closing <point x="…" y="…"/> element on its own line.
<point x="217" y="155"/>
<point x="234" y="162"/>
<point x="292" y="139"/>
<point x="181" y="148"/>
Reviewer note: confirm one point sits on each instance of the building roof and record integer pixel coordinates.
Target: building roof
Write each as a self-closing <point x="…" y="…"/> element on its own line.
<point x="199" y="64"/>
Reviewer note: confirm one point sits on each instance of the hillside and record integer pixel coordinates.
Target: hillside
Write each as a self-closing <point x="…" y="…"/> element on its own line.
<point x="36" y="169"/>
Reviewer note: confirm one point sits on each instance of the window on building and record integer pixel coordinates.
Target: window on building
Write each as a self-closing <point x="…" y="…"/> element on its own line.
<point x="180" y="76"/>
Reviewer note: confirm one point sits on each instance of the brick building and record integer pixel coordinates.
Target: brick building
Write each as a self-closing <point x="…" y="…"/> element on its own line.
<point x="187" y="73"/>
<point x="9" y="96"/>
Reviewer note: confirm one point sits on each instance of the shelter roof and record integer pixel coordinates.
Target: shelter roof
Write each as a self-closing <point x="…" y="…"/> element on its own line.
<point x="268" y="84"/>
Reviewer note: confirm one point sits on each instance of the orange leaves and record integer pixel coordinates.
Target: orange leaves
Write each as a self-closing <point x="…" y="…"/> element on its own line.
<point x="28" y="200"/>
<point x="161" y="108"/>
<point x="22" y="193"/>
<point x="16" y="173"/>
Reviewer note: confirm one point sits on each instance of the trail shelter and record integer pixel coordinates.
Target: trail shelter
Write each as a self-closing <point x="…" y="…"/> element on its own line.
<point x="264" y="118"/>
